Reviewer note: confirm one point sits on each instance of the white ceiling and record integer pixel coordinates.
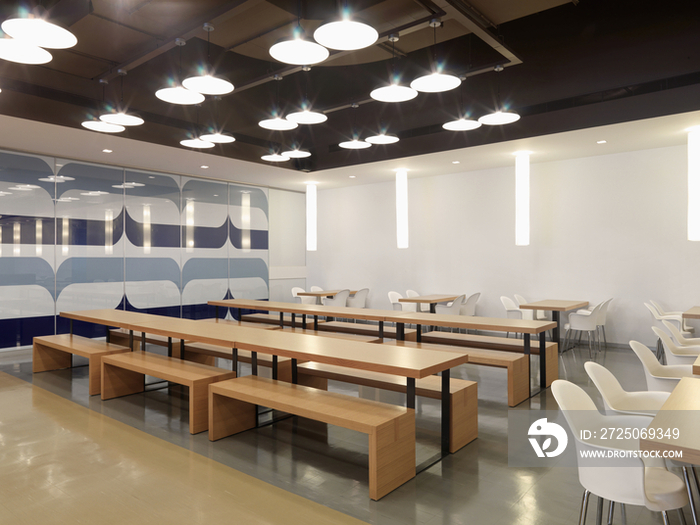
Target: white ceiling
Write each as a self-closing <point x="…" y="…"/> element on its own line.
<point x="30" y="136"/>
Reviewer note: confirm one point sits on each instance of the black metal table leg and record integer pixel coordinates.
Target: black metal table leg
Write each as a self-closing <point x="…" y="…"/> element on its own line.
<point x="543" y="362"/>
<point x="131" y="340"/>
<point x="170" y="346"/>
<point x="445" y="409"/>
<point x="282" y="320"/>
<point x="315" y="322"/>
<point x="526" y="350"/>
<point x="432" y="307"/>
<point x="294" y="371"/>
<point x="108" y="334"/>
<point x="274" y="367"/>
<point x="143" y="341"/>
<point x="216" y="312"/>
<point x="399" y="332"/>
<point x="411" y="392"/>
<point x="254" y="362"/>
<point x="555" y="330"/>
<point x="294" y="319"/>
<point x="234" y="358"/>
<point x="418" y="334"/>
<point x="303" y="321"/>
<point x="381" y="329"/>
<point x="182" y="349"/>
<point x="70" y="327"/>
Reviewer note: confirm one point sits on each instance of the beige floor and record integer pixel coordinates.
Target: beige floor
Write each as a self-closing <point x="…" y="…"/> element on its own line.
<point x="61" y="463"/>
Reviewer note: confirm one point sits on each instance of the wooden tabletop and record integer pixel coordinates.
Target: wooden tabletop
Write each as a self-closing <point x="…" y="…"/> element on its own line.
<point x="324" y="293"/>
<point x="423" y="299"/>
<point x="307" y="309"/>
<point x="495" y="324"/>
<point x="108" y="317"/>
<point x="680" y="411"/>
<point x="693" y="313"/>
<point x="696" y="367"/>
<point x="555" y="305"/>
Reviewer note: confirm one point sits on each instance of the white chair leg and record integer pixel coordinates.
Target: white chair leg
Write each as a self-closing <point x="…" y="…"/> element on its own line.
<point x="665" y="515"/>
<point x="611" y="512"/>
<point x="686" y="477"/>
<point x="599" y="513"/>
<point x="584" y="507"/>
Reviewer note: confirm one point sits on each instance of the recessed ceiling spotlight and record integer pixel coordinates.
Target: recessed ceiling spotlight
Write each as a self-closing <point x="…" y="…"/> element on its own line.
<point x="23" y="52"/>
<point x="462" y="124"/>
<point x="275" y="157"/>
<point x="103" y="127"/>
<point x="39" y="32"/>
<point x="346" y="34"/>
<point x="455" y="162"/>
<point x="602" y="142"/>
<point x="106" y="151"/>
<point x="205" y="168"/>
<point x="353" y="176"/>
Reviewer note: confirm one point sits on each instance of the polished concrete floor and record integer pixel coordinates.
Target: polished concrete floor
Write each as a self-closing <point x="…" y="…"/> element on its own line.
<point x="167" y="474"/>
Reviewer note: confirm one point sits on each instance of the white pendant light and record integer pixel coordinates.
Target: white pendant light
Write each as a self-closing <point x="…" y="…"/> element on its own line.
<point x="355" y="144"/>
<point x="103" y="127"/>
<point x="382" y="138"/>
<point x="394" y="92"/>
<point x="499" y="117"/>
<point x="278" y="124"/>
<point x="275" y="157"/>
<point x="197" y="143"/>
<point x="436" y="83"/>
<point x="298" y="51"/>
<point x="22" y="52"/>
<point x="461" y="124"/>
<point x="205" y="83"/>
<point x="39" y="32"/>
<point x="180" y="95"/>
<point x="307" y="116"/>
<point x="346" y="34"/>
<point x="121" y="118"/>
<point x="218" y="138"/>
<point x="296" y="154"/>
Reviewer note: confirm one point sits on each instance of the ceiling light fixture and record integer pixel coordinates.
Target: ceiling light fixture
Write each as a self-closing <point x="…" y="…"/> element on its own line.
<point x="22" y="52"/>
<point x="298" y="50"/>
<point x="382" y="138"/>
<point x="602" y="142"/>
<point x="36" y="31"/>
<point x="121" y="118"/>
<point x="275" y="157"/>
<point x="296" y="153"/>
<point x="437" y="81"/>
<point x="177" y="94"/>
<point x="103" y="127"/>
<point x="394" y="92"/>
<point x="106" y="151"/>
<point x="345" y="34"/>
<point x="499" y="117"/>
<point x="204" y="167"/>
<point x="464" y="123"/>
<point x="197" y="143"/>
<point x="355" y="143"/>
<point x="277" y="123"/>
<point x="306" y="116"/>
<point x="205" y="83"/>
<point x="218" y="138"/>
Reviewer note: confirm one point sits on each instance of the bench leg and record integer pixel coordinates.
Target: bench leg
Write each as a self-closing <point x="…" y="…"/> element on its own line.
<point x="320" y="383"/>
<point x="552" y="364"/>
<point x="518" y="381"/>
<point x="45" y="358"/>
<point x="229" y="416"/>
<point x="196" y="357"/>
<point x="199" y="407"/>
<point x="464" y="424"/>
<point x="117" y="382"/>
<point x="95" y="374"/>
<point x="392" y="455"/>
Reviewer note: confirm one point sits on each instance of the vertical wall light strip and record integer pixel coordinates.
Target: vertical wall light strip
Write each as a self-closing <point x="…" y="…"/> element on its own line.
<point x="694" y="184"/>
<point x="402" y="209"/>
<point x="189" y="226"/>
<point x="39" y="237"/>
<point x="522" y="198"/>
<point x="146" y="228"/>
<point x="245" y="221"/>
<point x="16" y="237"/>
<point x="65" y="235"/>
<point x="311" y="217"/>
<point x="109" y="232"/>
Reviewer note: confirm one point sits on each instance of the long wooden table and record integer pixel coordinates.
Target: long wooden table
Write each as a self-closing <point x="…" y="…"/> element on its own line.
<point x="432" y="300"/>
<point x="114" y="318"/>
<point x="693" y="313"/>
<point x="555" y="306"/>
<point x="409" y="363"/>
<point x="680" y="411"/>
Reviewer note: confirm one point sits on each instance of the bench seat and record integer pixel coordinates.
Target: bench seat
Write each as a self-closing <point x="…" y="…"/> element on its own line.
<point x="499" y="343"/>
<point x="366" y="329"/>
<point x="463" y="393"/>
<point x="517" y="365"/>
<point x="123" y="374"/>
<point x="53" y="352"/>
<point x="391" y="429"/>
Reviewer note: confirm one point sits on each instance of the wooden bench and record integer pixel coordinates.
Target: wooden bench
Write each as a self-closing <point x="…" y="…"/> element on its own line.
<point x="53" y="352"/>
<point x="366" y="329"/>
<point x="463" y="394"/>
<point x="123" y="374"/>
<point x="274" y="318"/>
<point x="499" y="343"/>
<point x="516" y="365"/>
<point x="391" y="429"/>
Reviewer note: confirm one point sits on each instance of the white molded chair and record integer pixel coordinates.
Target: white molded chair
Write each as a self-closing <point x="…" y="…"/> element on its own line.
<point x="538" y="315"/>
<point x="580" y="322"/>
<point x="663" y="313"/>
<point x="512" y="310"/>
<point x="617" y="400"/>
<point x="425" y="308"/>
<point x="678" y="336"/>
<point x="451" y="309"/>
<point x="302" y="300"/>
<point x="359" y="300"/>
<point x="662" y="378"/>
<point x="394" y="300"/>
<point x="340" y="299"/>
<point x="469" y="305"/>
<point x="658" y="318"/>
<point x="676" y="355"/>
<point x="316" y="289"/>
<point x="602" y="317"/>
<point x="629" y="481"/>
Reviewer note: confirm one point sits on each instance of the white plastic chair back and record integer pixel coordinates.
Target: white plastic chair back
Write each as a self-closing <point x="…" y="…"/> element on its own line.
<point x="302" y="300"/>
<point x="658" y="318"/>
<point x="603" y="313"/>
<point x="661" y="310"/>
<point x="316" y="289"/>
<point x="659" y="377"/>
<point x="676" y="355"/>
<point x="512" y="311"/>
<point x="586" y="323"/>
<point x="678" y="337"/>
<point x="527" y="314"/>
<point x="359" y="300"/>
<point x="419" y="307"/>
<point x="394" y="300"/>
<point x="469" y="306"/>
<point x="452" y="309"/>
<point x="340" y="299"/>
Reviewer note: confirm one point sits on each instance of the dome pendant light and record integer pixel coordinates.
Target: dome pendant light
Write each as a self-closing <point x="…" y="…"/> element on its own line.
<point x="23" y="53"/>
<point x="275" y="157"/>
<point x="296" y="153"/>
<point x="36" y="31"/>
<point x="94" y="124"/>
<point x="208" y="84"/>
<point x="463" y="123"/>
<point x="346" y="34"/>
<point x="214" y="135"/>
<point x="121" y="118"/>
<point x="499" y="117"/>
<point x="382" y="138"/>
<point x="298" y="50"/>
<point x="437" y="81"/>
<point x="277" y="123"/>
<point x="196" y="141"/>
<point x="394" y="92"/>
<point x="179" y="94"/>
<point x="306" y="116"/>
<point x="355" y="143"/>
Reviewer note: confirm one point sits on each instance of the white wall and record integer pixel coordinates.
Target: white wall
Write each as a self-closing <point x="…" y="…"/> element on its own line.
<point x="606" y="226"/>
<point x="287" y="243"/>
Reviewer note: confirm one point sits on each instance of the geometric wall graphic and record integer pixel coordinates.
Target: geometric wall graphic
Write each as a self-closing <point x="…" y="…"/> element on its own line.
<point x="77" y="236"/>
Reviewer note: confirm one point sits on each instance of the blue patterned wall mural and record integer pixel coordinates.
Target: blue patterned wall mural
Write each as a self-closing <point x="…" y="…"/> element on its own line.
<point x="76" y="236"/>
